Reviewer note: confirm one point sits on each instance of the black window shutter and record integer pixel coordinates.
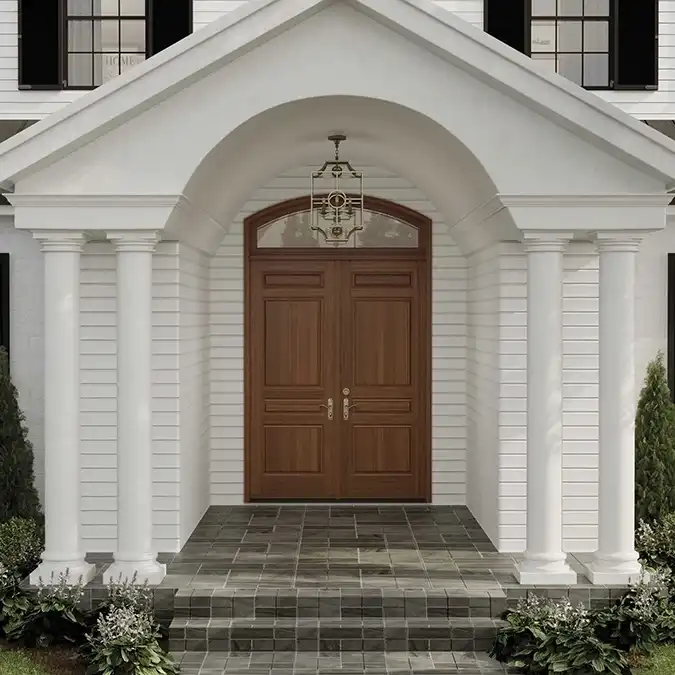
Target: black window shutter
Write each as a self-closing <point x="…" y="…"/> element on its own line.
<point x="39" y="53"/>
<point x="4" y="301"/>
<point x="508" y="20"/>
<point x="637" y="46"/>
<point x="169" y="22"/>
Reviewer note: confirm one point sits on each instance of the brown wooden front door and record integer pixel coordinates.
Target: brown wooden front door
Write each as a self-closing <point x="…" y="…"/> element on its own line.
<point x="337" y="376"/>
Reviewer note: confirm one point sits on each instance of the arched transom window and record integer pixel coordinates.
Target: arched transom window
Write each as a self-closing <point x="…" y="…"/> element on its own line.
<point x="386" y="225"/>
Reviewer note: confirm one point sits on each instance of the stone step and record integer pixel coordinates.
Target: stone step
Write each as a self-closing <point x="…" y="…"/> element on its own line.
<point x="345" y="663"/>
<point x="332" y="635"/>
<point x="337" y="604"/>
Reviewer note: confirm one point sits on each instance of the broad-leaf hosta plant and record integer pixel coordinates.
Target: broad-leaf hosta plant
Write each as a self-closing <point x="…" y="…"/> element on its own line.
<point x="126" y="642"/>
<point x="53" y="616"/>
<point x="642" y="618"/>
<point x="14" y="603"/>
<point x="543" y="636"/>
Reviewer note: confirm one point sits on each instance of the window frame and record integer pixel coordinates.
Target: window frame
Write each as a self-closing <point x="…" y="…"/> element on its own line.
<point x="65" y="19"/>
<point x="289" y="207"/>
<point x="611" y="46"/>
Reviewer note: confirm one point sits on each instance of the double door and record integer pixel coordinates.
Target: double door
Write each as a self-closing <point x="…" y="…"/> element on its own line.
<point x="338" y="378"/>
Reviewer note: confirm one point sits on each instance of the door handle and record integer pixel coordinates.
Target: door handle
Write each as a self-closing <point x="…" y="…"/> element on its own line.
<point x="346" y="407"/>
<point x="329" y="408"/>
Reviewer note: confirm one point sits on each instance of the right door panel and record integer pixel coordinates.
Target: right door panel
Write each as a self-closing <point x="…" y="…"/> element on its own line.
<point x="383" y="358"/>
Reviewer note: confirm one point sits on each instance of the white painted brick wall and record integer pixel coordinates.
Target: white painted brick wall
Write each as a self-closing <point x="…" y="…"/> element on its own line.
<point x="448" y="342"/>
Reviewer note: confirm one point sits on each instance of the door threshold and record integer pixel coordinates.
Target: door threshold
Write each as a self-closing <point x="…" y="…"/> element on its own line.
<point x="341" y="502"/>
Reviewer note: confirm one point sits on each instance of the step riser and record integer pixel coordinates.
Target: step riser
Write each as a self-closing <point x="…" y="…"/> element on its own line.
<point x="243" y="646"/>
<point x="280" y="607"/>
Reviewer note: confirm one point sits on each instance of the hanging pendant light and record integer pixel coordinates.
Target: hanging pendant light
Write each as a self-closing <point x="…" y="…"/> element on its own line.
<point x="337" y="213"/>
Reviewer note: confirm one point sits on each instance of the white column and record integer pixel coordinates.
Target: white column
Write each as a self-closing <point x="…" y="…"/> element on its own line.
<point x="134" y="417"/>
<point x="616" y="561"/>
<point x="63" y="552"/>
<point x="545" y="562"/>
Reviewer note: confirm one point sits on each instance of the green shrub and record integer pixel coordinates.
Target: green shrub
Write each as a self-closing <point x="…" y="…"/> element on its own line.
<point x="655" y="446"/>
<point x="545" y="636"/>
<point x="126" y="642"/>
<point x="642" y="618"/>
<point x="21" y="543"/>
<point x="655" y="542"/>
<point x="17" y="476"/>
<point x="53" y="616"/>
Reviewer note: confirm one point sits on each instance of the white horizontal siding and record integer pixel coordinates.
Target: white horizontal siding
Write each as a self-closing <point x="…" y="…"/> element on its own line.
<point x="193" y="403"/>
<point x="98" y="368"/>
<point x="448" y="342"/>
<point x="15" y="104"/>
<point x="580" y="403"/>
<point x="483" y="389"/>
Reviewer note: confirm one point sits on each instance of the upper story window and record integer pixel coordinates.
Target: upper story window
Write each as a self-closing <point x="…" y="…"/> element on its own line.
<point x="572" y="37"/>
<point x="597" y="44"/>
<point x="104" y="38"/>
<point x="81" y="44"/>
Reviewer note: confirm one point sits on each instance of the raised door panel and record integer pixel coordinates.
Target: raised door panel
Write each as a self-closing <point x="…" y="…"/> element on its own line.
<point x="292" y="365"/>
<point x="383" y="376"/>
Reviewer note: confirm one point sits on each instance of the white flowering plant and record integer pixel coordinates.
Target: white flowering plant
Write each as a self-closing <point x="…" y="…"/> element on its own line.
<point x="643" y="616"/>
<point x="51" y="616"/>
<point x="125" y="641"/>
<point x="545" y="636"/>
<point x="124" y="592"/>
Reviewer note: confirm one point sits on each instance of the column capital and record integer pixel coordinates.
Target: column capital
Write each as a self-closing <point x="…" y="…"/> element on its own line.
<point x="64" y="241"/>
<point x="134" y="240"/>
<point x="548" y="241"/>
<point x="620" y="240"/>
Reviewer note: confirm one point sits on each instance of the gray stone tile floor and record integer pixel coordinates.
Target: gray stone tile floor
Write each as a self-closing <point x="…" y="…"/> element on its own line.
<point x="340" y="547"/>
<point x="279" y="590"/>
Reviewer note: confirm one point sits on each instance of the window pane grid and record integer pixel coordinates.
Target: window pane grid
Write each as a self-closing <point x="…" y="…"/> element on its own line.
<point x="572" y="38"/>
<point x="104" y="39"/>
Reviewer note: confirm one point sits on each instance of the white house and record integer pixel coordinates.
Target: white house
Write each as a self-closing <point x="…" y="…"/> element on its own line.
<point x="181" y="337"/>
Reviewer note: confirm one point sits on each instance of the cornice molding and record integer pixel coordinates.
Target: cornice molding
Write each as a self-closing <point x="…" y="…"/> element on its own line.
<point x="659" y="200"/>
<point x="93" y="201"/>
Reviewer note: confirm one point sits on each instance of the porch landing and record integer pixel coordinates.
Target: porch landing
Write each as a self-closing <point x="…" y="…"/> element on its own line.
<point x="328" y="589"/>
<point x="387" y="547"/>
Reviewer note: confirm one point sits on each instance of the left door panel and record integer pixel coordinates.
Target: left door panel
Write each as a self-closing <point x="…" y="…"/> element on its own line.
<point x="293" y="362"/>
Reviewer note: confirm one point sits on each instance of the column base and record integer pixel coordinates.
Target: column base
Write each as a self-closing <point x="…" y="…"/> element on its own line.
<point x="545" y="572"/>
<point x="48" y="572"/>
<point x="145" y="570"/>
<point x="609" y="572"/>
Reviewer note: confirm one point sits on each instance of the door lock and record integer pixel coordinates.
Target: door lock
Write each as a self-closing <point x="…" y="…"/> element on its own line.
<point x="329" y="408"/>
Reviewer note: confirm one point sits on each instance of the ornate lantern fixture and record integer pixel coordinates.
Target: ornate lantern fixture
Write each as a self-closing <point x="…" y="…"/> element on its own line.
<point x="336" y="210"/>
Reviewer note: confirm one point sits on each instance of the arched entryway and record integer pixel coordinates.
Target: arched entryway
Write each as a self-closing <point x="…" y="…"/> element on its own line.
<point x="337" y="357"/>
